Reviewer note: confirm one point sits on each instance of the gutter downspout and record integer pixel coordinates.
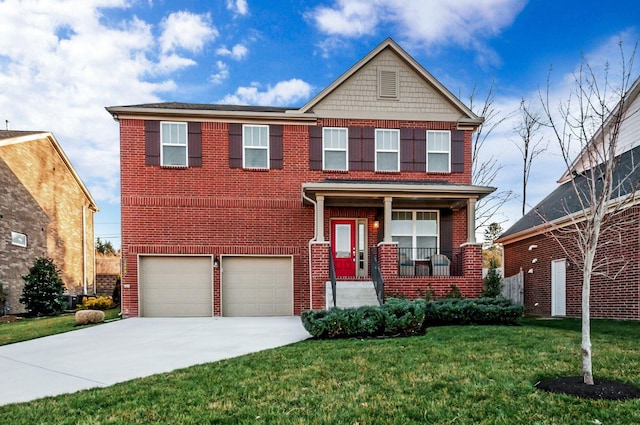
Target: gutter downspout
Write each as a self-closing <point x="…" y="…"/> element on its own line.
<point x="315" y="237"/>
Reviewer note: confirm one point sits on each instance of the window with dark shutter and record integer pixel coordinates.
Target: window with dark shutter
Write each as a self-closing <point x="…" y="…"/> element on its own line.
<point x="275" y="147"/>
<point x="195" y="144"/>
<point x="235" y="145"/>
<point x="457" y="151"/>
<point x="152" y="142"/>
<point x="315" y="148"/>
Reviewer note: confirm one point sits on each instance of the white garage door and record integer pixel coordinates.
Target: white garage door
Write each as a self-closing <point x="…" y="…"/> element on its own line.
<point x="257" y="286"/>
<point x="175" y="287"/>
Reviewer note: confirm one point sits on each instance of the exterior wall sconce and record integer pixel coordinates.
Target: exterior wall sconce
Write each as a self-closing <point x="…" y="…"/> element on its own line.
<point x="216" y="262"/>
<point x="376" y="224"/>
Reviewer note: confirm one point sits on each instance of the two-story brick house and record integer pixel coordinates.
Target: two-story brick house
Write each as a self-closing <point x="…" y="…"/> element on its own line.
<point x="233" y="210"/>
<point x="45" y="211"/>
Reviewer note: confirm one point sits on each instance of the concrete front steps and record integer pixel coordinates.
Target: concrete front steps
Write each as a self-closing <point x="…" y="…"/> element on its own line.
<point x="352" y="294"/>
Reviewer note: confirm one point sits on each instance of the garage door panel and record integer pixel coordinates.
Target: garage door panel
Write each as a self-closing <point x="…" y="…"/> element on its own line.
<point x="176" y="286"/>
<point x="257" y="286"/>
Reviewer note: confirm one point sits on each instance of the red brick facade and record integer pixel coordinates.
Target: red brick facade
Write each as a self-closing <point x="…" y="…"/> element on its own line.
<point x="216" y="208"/>
<point x="613" y="295"/>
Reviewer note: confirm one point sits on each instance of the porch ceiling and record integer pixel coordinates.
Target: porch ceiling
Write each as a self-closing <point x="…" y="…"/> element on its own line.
<point x="371" y="193"/>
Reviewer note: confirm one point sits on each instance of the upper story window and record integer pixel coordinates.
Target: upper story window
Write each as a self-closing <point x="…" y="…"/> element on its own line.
<point x="19" y="239"/>
<point x="387" y="150"/>
<point x="334" y="149"/>
<point x="173" y="138"/>
<point x="438" y="151"/>
<point x="255" y="146"/>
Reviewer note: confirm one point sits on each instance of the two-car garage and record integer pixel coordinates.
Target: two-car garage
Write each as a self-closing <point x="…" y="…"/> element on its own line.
<point x="182" y="286"/>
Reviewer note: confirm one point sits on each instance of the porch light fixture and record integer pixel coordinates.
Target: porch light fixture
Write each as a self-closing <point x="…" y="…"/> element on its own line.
<point x="376" y="224"/>
<point x="216" y="262"/>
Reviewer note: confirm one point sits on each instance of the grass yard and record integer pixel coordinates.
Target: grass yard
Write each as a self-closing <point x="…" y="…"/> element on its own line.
<point x="37" y="327"/>
<point x="452" y="375"/>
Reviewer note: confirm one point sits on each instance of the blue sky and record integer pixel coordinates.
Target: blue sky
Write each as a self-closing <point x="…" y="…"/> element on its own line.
<point x="62" y="62"/>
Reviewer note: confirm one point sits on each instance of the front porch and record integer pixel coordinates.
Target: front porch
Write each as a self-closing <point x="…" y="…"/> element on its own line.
<point x="420" y="236"/>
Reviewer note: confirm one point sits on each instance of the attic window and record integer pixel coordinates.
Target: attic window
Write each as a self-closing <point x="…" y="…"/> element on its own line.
<point x="387" y="84"/>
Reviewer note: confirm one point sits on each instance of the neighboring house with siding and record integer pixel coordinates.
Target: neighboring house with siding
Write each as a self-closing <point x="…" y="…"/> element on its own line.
<point x="45" y="211"/>
<point x="238" y="210"/>
<point x="553" y="284"/>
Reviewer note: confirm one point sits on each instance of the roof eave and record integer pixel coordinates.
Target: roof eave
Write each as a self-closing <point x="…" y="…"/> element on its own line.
<point x="123" y="112"/>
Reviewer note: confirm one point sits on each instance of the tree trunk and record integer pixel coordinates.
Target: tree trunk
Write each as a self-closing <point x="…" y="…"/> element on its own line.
<point x="587" y="371"/>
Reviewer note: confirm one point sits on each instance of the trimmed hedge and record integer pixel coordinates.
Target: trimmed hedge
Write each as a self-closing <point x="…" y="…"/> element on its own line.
<point x="400" y="317"/>
<point x="396" y="317"/>
<point x="479" y="311"/>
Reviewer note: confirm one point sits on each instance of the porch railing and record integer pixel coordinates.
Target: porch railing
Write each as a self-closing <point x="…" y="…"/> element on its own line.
<point x="376" y="275"/>
<point x="332" y="274"/>
<point x="429" y="262"/>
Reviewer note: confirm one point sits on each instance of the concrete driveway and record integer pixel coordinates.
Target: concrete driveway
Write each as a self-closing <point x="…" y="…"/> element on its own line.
<point x="126" y="349"/>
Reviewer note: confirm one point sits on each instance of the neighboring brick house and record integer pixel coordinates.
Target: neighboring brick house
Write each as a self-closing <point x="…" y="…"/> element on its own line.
<point x="45" y="210"/>
<point x="232" y="210"/>
<point x="552" y="282"/>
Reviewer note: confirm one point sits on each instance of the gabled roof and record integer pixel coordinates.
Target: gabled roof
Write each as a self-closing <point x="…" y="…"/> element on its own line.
<point x="10" y="137"/>
<point x="564" y="202"/>
<point x="469" y="118"/>
<point x="460" y="112"/>
<point x="630" y="97"/>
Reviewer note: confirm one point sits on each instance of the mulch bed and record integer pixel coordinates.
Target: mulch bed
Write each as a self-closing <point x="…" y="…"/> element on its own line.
<point x="602" y="389"/>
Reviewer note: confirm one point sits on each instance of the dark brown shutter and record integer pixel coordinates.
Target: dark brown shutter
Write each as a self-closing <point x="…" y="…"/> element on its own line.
<point x="194" y="137"/>
<point x="152" y="142"/>
<point x="315" y="148"/>
<point x="420" y="149"/>
<point x="407" y="148"/>
<point x="235" y="145"/>
<point x="368" y="149"/>
<point x="355" y="148"/>
<point x="275" y="146"/>
<point x="457" y="151"/>
<point x="446" y="232"/>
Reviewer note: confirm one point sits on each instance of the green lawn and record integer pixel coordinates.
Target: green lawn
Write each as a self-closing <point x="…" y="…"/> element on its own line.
<point x="452" y="375"/>
<point x="37" y="327"/>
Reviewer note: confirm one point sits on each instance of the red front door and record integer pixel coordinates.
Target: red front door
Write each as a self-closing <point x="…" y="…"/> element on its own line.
<point x="343" y="242"/>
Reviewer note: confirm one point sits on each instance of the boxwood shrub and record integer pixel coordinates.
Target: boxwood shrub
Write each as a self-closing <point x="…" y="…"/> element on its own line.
<point x="478" y="311"/>
<point x="397" y="317"/>
<point x="401" y="317"/>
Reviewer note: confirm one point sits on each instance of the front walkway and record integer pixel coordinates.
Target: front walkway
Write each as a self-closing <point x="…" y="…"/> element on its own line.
<point x="126" y="349"/>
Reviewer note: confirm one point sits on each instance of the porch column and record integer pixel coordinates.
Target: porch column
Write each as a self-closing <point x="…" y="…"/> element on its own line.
<point x="387" y="219"/>
<point x="471" y="220"/>
<point x="320" y="218"/>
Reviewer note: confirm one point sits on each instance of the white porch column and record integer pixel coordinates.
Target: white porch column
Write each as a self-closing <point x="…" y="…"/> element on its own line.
<point x="387" y="219"/>
<point x="471" y="220"/>
<point x="320" y="218"/>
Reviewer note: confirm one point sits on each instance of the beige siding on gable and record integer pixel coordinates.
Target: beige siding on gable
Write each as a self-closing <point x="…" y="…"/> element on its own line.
<point x="630" y="128"/>
<point x="358" y="95"/>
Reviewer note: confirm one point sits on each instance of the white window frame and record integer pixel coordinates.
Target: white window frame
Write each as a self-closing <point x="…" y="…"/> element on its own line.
<point x="19" y="239"/>
<point x="164" y="143"/>
<point x="448" y="152"/>
<point x="414" y="234"/>
<point x="326" y="149"/>
<point x="396" y="151"/>
<point x="245" y="147"/>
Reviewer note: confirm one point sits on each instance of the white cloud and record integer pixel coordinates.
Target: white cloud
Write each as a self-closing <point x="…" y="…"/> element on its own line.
<point x="62" y="62"/>
<point x="188" y="31"/>
<point x="237" y="52"/>
<point x="423" y="23"/>
<point x="222" y="74"/>
<point x="284" y="93"/>
<point x="239" y="7"/>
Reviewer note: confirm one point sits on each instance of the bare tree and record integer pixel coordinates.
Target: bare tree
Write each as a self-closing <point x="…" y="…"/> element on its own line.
<point x="485" y="168"/>
<point x="590" y="120"/>
<point x="530" y="144"/>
